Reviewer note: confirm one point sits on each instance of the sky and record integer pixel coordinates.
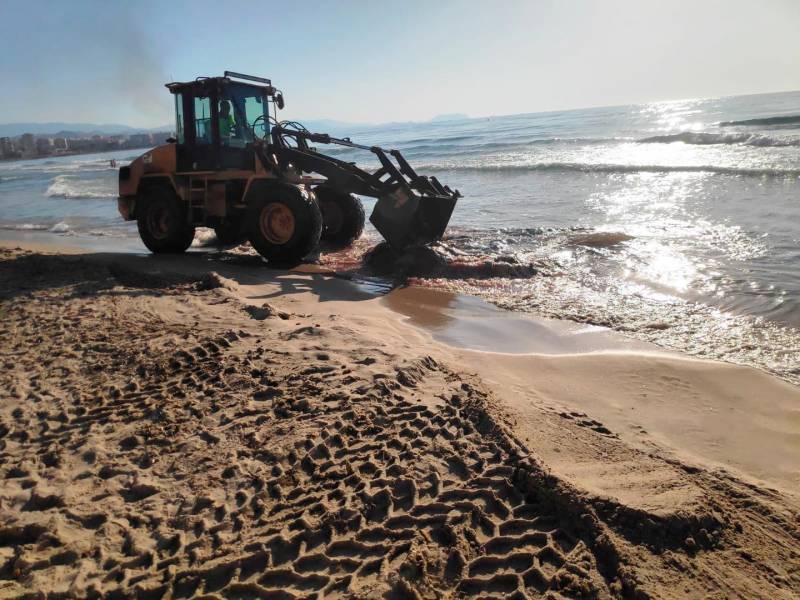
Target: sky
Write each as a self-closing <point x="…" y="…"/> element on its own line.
<point x="370" y="62"/>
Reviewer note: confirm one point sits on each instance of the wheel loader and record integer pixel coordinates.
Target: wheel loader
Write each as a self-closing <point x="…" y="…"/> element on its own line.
<point x="234" y="167"/>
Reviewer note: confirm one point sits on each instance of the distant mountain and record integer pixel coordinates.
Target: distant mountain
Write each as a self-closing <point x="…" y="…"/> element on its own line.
<point x="78" y="130"/>
<point x="57" y="129"/>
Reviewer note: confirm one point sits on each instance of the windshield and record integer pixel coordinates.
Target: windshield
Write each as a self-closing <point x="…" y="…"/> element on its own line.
<point x="240" y="107"/>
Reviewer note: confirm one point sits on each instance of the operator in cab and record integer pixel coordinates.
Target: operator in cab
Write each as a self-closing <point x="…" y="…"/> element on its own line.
<point x="226" y="123"/>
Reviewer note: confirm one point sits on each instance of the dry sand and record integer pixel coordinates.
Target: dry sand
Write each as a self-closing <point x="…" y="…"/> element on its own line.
<point x="168" y="432"/>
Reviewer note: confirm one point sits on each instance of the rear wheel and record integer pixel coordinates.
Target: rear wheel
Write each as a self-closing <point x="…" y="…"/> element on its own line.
<point x="342" y="216"/>
<point x="161" y="218"/>
<point x="284" y="225"/>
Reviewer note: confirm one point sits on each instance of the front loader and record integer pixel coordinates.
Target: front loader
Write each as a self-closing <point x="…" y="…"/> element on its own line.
<point x="233" y="167"/>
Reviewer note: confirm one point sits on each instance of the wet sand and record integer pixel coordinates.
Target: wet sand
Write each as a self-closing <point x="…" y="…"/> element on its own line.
<point x="169" y="432"/>
<point x="707" y="412"/>
<point x="474" y="324"/>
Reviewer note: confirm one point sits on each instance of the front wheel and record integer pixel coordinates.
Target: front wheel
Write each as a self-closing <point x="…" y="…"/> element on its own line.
<point x="342" y="216"/>
<point x="162" y="223"/>
<point x="284" y="224"/>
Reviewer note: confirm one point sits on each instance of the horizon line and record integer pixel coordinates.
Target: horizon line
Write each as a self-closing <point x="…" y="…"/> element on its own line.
<point x="432" y="118"/>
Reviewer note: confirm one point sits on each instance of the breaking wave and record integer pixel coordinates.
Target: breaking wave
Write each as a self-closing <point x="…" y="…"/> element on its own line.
<point x="60" y="227"/>
<point x="784" y="120"/>
<point x="65" y="186"/>
<point x="706" y="139"/>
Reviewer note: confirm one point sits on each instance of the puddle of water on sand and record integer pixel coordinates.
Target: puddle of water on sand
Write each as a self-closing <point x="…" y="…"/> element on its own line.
<point x="474" y="324"/>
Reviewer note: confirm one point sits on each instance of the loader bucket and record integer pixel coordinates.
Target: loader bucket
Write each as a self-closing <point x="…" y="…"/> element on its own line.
<point x="417" y="211"/>
<point x="406" y="219"/>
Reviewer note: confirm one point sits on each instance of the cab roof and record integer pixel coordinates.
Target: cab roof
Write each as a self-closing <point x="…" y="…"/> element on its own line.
<point x="205" y="83"/>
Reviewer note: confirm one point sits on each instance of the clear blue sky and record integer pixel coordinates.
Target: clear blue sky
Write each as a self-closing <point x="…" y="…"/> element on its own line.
<point x="106" y="62"/>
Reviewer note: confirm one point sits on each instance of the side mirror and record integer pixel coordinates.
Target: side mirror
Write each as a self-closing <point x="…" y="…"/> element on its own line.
<point x="279" y="100"/>
<point x="171" y="140"/>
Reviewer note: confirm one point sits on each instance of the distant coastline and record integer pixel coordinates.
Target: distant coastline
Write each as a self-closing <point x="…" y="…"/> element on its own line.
<point x="31" y="147"/>
<point x="76" y="153"/>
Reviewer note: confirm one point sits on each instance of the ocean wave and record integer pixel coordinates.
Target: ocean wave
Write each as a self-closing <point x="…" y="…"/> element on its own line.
<point x="782" y="120"/>
<point x="60" y="227"/>
<point x="614" y="168"/>
<point x="453" y="138"/>
<point x="65" y="186"/>
<point x="95" y="165"/>
<point x="24" y="227"/>
<point x="514" y="145"/>
<point x="444" y="148"/>
<point x="707" y="139"/>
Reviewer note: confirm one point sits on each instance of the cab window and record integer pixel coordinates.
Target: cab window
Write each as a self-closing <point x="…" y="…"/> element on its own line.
<point x="254" y="108"/>
<point x="202" y="120"/>
<point x="247" y="105"/>
<point x="179" y="135"/>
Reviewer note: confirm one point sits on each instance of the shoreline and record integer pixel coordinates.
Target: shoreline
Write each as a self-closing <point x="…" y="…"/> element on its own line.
<point x="65" y="154"/>
<point x="560" y="418"/>
<point x="687" y="328"/>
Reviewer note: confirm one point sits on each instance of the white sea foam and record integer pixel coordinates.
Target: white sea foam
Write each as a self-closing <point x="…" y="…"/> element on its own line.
<point x="73" y="166"/>
<point x="66" y="186"/>
<point x="59" y="228"/>
<point x="23" y="227"/>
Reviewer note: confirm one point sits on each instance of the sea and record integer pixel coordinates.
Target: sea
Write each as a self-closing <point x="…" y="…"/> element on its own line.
<point x="673" y="222"/>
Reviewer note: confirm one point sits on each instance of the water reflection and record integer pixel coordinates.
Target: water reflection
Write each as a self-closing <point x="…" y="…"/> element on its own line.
<point x="673" y="246"/>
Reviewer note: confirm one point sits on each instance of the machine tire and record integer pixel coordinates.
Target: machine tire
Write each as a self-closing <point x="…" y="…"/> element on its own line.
<point x="231" y="232"/>
<point x="284" y="225"/>
<point x="342" y="216"/>
<point x="161" y="219"/>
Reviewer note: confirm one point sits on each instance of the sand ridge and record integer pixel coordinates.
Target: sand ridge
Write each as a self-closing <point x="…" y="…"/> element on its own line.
<point x="161" y="439"/>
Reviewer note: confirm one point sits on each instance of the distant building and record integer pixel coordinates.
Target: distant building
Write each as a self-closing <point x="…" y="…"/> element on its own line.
<point x="81" y="145"/>
<point x="160" y="138"/>
<point x="140" y="140"/>
<point x="27" y="145"/>
<point x="44" y="146"/>
<point x="6" y="148"/>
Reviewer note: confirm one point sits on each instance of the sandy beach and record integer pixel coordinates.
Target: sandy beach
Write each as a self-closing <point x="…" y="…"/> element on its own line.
<point x="204" y="426"/>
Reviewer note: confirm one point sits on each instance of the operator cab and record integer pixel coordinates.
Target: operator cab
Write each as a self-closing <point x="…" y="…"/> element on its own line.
<point x="217" y="119"/>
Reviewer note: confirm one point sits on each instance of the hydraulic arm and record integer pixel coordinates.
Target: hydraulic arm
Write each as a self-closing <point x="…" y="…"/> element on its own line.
<point x="412" y="209"/>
